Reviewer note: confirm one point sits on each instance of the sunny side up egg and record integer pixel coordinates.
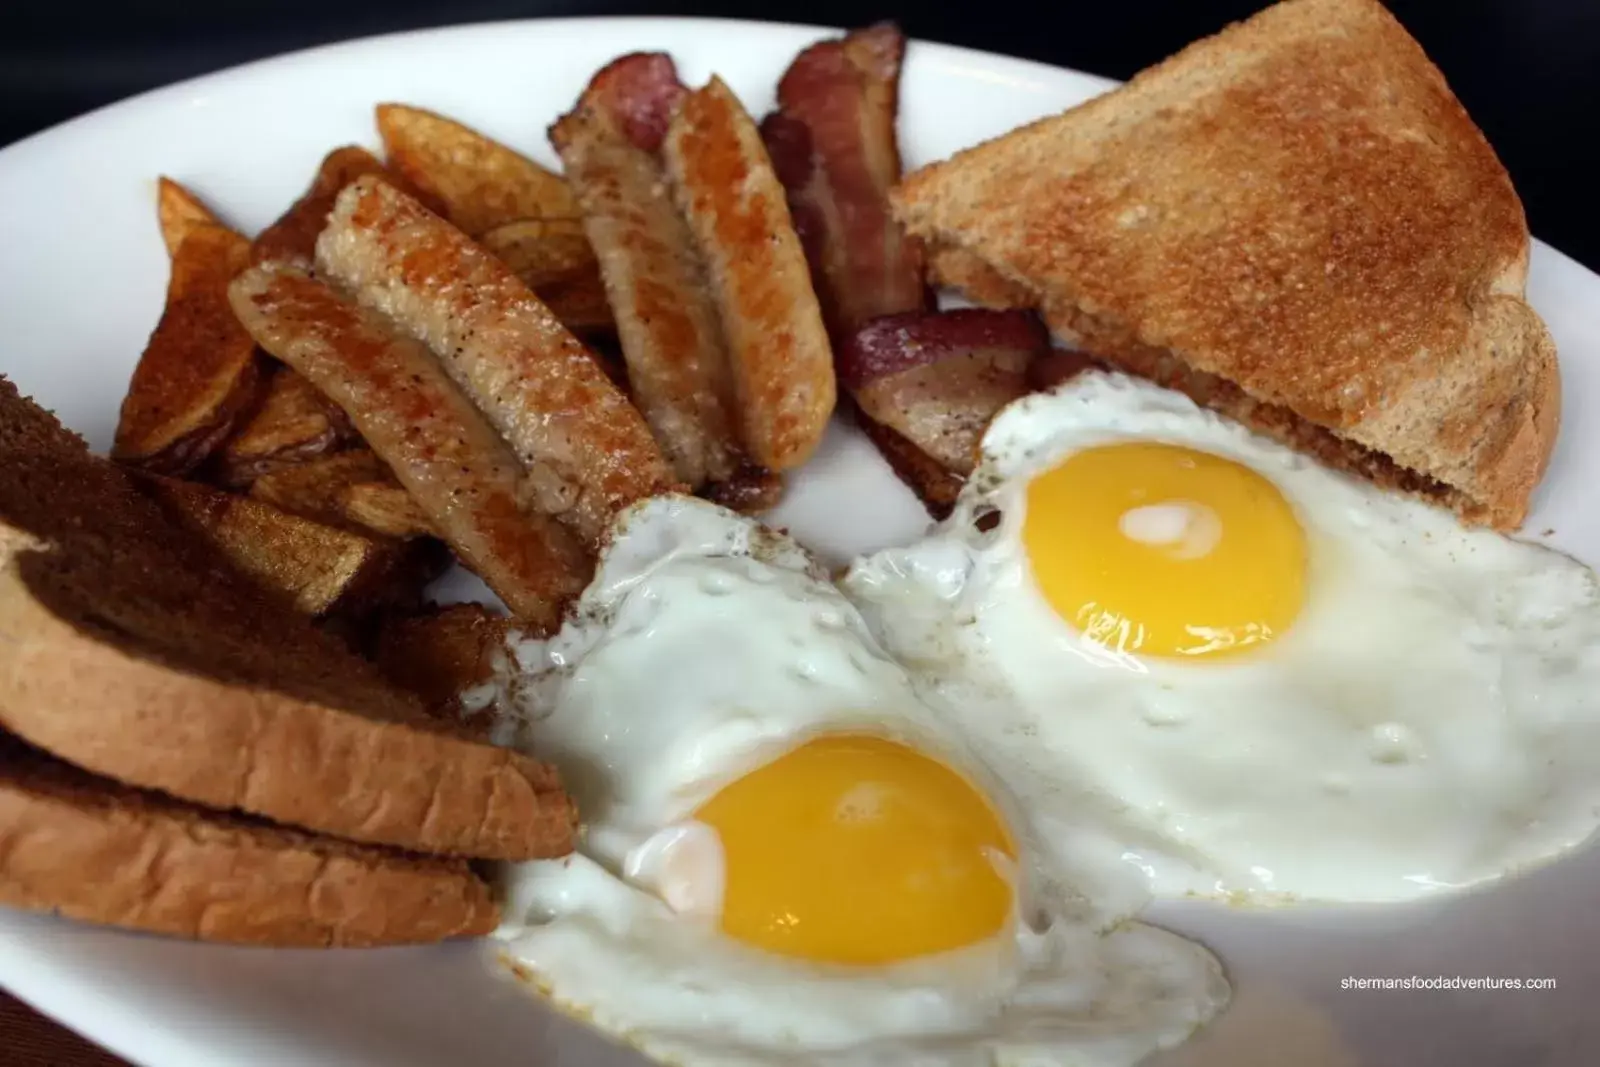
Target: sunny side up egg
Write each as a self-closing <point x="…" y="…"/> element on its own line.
<point x="1276" y="680"/>
<point x="786" y="854"/>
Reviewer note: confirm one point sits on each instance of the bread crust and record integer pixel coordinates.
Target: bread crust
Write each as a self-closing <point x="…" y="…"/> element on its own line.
<point x="99" y="852"/>
<point x="1298" y="206"/>
<point x="137" y="652"/>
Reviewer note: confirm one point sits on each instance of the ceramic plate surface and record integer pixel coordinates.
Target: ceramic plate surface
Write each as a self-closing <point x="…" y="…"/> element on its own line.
<point x="84" y="271"/>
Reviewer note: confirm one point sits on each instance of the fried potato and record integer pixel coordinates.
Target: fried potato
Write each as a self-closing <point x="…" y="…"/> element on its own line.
<point x="291" y="424"/>
<point x="199" y="371"/>
<point x="179" y="212"/>
<point x="294" y="235"/>
<point x="553" y="258"/>
<point x="319" y="570"/>
<point x="778" y="347"/>
<point x="442" y="654"/>
<point x="479" y="182"/>
<point x="348" y="489"/>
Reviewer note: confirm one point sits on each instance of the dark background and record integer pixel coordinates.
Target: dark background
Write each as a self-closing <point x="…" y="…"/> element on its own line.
<point x="1527" y="70"/>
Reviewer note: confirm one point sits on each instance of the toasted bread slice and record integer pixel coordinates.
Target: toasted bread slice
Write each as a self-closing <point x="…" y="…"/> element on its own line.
<point x="139" y="653"/>
<point x="1300" y="211"/>
<point x="90" y="849"/>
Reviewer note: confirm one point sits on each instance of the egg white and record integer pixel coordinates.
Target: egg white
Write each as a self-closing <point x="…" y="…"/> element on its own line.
<point x="706" y="646"/>
<point x="1430" y="721"/>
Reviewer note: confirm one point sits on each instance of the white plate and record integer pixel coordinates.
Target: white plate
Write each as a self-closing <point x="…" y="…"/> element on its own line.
<point x="83" y="272"/>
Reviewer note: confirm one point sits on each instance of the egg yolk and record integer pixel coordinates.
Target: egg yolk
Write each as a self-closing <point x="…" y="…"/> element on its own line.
<point x="1166" y="551"/>
<point x="859" y="850"/>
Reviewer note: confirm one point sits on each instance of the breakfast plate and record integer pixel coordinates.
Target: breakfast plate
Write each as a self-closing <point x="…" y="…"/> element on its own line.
<point x="84" y="272"/>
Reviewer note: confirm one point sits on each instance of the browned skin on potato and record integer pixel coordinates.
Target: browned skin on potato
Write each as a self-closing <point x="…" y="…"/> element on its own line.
<point x="833" y="143"/>
<point x="179" y="211"/>
<point x="293" y="237"/>
<point x="291" y="424"/>
<point x="586" y="449"/>
<point x="199" y="370"/>
<point x="778" y="348"/>
<point x="477" y="183"/>
<point x="352" y="489"/>
<point x="319" y="570"/>
<point x="439" y="446"/>
<point x="667" y="321"/>
<point x="442" y="653"/>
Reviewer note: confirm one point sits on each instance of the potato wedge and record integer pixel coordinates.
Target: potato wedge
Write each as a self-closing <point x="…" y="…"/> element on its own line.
<point x="317" y="569"/>
<point x="339" y="488"/>
<point x="179" y="211"/>
<point x="479" y="182"/>
<point x="442" y="655"/>
<point x="736" y="208"/>
<point x="553" y="258"/>
<point x="199" y="371"/>
<point x="292" y="424"/>
<point x="294" y="235"/>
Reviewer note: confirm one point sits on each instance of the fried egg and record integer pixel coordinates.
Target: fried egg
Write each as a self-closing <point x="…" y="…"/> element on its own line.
<point x="787" y="854"/>
<point x="1276" y="680"/>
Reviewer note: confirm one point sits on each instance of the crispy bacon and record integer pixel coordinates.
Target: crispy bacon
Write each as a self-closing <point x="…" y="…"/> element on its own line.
<point x="938" y="378"/>
<point x="832" y="141"/>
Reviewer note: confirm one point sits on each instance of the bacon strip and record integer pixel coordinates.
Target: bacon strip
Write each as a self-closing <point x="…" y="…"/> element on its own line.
<point x="440" y="447"/>
<point x="833" y="143"/>
<point x="938" y="378"/>
<point x="587" y="451"/>
<point x="666" y="319"/>
<point x="777" y="344"/>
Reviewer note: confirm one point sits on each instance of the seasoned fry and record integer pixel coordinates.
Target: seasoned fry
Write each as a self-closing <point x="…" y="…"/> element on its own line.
<point x="778" y="347"/>
<point x="199" y="371"/>
<point x="439" y="446"/>
<point x="586" y="450"/>
<point x="179" y="212"/>
<point x="351" y="489"/>
<point x="293" y="236"/>
<point x="479" y="183"/>
<point x="833" y="143"/>
<point x="320" y="570"/>
<point x="666" y="318"/>
<point x="443" y="654"/>
<point x="938" y="378"/>
<point x="292" y="423"/>
<point x="553" y="258"/>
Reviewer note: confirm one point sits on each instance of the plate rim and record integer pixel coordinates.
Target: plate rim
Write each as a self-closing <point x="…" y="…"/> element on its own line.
<point x="138" y="1038"/>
